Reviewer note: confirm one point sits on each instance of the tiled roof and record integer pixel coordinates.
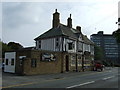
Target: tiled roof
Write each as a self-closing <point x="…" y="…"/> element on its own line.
<point x="86" y="40"/>
<point x="59" y="31"/>
<point x="63" y="30"/>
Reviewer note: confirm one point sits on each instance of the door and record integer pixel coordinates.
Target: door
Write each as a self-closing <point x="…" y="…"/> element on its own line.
<point x="67" y="63"/>
<point x="10" y="62"/>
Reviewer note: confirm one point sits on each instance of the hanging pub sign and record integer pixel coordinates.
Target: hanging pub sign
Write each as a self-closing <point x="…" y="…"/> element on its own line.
<point x="48" y="57"/>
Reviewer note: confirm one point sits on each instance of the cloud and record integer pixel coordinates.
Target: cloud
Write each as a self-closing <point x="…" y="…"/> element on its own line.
<point x="0" y="21"/>
<point x="24" y="21"/>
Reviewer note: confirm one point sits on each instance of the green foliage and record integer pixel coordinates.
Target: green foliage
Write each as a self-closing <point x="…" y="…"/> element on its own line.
<point x="5" y="48"/>
<point x="15" y="46"/>
<point x="11" y="46"/>
<point x="98" y="53"/>
<point x="117" y="35"/>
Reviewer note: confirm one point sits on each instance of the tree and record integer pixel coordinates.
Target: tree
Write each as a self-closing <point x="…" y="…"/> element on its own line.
<point x="116" y="34"/>
<point x="11" y="46"/>
<point x="98" y="53"/>
<point x="5" y="48"/>
<point x="15" y="46"/>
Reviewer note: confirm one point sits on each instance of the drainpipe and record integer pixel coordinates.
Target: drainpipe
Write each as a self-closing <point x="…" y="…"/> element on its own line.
<point x="83" y="62"/>
<point x="62" y="55"/>
<point x="82" y="59"/>
<point x="76" y="56"/>
<point x="76" y="64"/>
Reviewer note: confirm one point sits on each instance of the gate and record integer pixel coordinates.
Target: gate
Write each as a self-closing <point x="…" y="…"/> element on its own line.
<point x="10" y="58"/>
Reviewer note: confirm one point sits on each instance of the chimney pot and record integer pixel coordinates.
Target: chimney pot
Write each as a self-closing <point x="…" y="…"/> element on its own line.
<point x="78" y="28"/>
<point x="56" y="20"/>
<point x="69" y="22"/>
<point x="55" y="10"/>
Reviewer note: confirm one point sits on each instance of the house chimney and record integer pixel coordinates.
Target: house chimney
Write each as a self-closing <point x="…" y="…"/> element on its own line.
<point x="69" y="22"/>
<point x="78" y="28"/>
<point x="56" y="20"/>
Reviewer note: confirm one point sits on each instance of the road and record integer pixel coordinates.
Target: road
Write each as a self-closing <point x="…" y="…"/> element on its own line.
<point x="90" y="79"/>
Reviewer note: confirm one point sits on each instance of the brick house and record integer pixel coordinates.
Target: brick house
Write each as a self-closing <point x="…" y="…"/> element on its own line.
<point x="60" y="49"/>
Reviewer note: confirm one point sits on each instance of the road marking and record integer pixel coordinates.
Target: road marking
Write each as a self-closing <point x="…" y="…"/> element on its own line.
<point x="92" y="73"/>
<point x="31" y="83"/>
<point x="108" y="78"/>
<point x="54" y="80"/>
<point x="18" y="85"/>
<point x="81" y="84"/>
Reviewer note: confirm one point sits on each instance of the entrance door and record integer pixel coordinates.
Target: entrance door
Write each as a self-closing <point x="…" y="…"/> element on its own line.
<point x="10" y="62"/>
<point x="67" y="63"/>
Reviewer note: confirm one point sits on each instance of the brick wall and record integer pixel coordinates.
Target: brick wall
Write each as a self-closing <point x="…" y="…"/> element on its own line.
<point x="42" y="67"/>
<point x="45" y="67"/>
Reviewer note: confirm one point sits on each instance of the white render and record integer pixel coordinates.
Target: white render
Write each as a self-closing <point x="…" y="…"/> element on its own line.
<point x="50" y="44"/>
<point x="10" y="68"/>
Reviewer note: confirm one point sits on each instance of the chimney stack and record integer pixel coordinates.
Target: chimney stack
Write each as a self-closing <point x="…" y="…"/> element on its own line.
<point x="56" y="20"/>
<point x="69" y="22"/>
<point x="78" y="28"/>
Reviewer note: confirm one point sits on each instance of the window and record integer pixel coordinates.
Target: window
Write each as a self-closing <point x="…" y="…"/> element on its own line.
<point x="33" y="63"/>
<point x="6" y="61"/>
<point x="57" y="42"/>
<point x="79" y="57"/>
<point x="39" y="44"/>
<point x="70" y="46"/>
<point x="12" y="61"/>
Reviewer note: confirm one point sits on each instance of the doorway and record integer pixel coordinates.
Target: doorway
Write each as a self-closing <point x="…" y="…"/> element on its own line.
<point x="67" y="63"/>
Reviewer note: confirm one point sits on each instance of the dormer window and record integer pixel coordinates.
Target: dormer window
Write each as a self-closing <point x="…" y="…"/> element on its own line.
<point x="70" y="46"/>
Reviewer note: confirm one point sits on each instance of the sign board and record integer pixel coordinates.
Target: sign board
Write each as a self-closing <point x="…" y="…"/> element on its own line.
<point x="48" y="57"/>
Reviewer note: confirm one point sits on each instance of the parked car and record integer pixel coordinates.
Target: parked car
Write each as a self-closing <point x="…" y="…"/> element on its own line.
<point x="98" y="66"/>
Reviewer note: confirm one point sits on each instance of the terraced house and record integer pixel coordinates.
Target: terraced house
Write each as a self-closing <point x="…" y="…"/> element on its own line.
<point x="60" y="49"/>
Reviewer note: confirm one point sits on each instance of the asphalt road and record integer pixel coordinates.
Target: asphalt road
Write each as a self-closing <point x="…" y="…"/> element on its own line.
<point x="90" y="79"/>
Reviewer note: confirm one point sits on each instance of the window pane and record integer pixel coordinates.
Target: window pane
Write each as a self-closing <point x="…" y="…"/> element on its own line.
<point x="12" y="61"/>
<point x="70" y="46"/>
<point x="39" y="44"/>
<point x="6" y="61"/>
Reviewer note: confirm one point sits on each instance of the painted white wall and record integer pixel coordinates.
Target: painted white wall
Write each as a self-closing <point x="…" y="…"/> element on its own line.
<point x="80" y="45"/>
<point x="10" y="68"/>
<point x="49" y="44"/>
<point x="92" y="49"/>
<point x="86" y="47"/>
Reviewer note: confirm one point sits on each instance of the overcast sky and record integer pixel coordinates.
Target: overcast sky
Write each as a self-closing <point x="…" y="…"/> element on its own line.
<point x="24" y="21"/>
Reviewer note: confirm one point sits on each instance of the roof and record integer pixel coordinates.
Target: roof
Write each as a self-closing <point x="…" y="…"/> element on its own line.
<point x="63" y="30"/>
<point x="100" y="33"/>
<point x="86" y="40"/>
